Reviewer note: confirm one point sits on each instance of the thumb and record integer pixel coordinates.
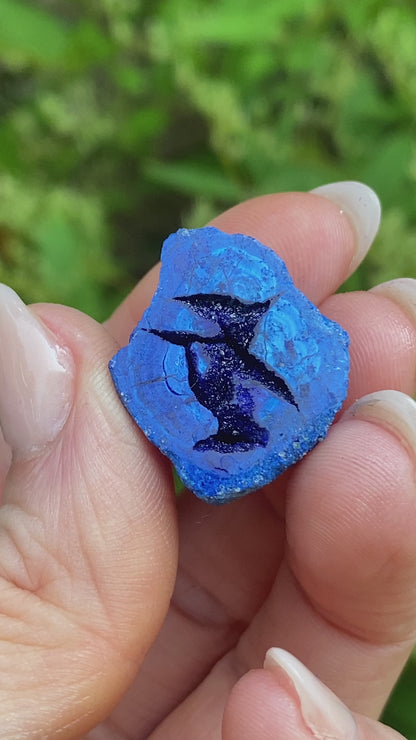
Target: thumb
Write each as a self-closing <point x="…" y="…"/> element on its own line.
<point x="88" y="542"/>
<point x="287" y="701"/>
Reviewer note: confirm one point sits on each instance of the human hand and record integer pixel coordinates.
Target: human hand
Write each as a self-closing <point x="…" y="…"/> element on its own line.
<point x="321" y="563"/>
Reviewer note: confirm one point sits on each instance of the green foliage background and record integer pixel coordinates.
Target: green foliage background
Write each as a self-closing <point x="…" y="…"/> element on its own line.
<point x="122" y="120"/>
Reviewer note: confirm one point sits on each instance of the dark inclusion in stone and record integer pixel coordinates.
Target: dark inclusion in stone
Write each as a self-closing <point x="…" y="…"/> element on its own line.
<point x="218" y="388"/>
<point x="232" y="372"/>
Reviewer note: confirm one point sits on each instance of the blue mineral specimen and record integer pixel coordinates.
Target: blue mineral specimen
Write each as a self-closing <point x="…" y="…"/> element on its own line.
<point x="232" y="372"/>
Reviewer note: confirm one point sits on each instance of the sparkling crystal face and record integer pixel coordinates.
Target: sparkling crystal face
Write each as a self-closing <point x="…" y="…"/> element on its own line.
<point x="221" y="370"/>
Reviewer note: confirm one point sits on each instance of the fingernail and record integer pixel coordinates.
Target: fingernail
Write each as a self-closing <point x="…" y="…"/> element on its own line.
<point x="36" y="378"/>
<point x="323" y="713"/>
<point x="393" y="410"/>
<point x="403" y="292"/>
<point x="362" y="206"/>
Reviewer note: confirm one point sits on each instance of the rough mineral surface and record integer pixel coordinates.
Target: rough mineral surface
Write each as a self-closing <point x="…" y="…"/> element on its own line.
<point x="232" y="372"/>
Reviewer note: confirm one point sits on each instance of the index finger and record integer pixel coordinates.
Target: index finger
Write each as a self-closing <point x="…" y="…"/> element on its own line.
<point x="322" y="236"/>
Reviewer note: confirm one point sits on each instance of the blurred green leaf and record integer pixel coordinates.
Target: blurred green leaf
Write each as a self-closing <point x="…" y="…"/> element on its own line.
<point x="29" y="35"/>
<point x="129" y="78"/>
<point x="387" y="169"/>
<point x="400" y="711"/>
<point x="141" y="126"/>
<point x="193" y="179"/>
<point x="10" y="154"/>
<point x="87" y="46"/>
<point x="73" y="260"/>
<point x="219" y="23"/>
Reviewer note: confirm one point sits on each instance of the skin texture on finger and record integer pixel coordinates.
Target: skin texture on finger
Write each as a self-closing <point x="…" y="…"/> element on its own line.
<point x="226" y="570"/>
<point x="344" y="600"/>
<point x="391" y="358"/>
<point x="87" y="555"/>
<point x="257" y="710"/>
<point x="383" y="351"/>
<point x="124" y="319"/>
<point x="311" y="234"/>
<point x="369" y="537"/>
<point x="263" y="706"/>
<point x="382" y="342"/>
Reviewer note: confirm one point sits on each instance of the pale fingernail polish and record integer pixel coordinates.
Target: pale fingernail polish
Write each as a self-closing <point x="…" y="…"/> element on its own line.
<point x="322" y="712"/>
<point x="36" y="378"/>
<point x="362" y="206"/>
<point x="393" y="410"/>
<point x="402" y="291"/>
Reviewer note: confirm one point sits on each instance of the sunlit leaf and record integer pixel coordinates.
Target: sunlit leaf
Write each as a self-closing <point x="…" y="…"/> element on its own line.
<point x="29" y="35"/>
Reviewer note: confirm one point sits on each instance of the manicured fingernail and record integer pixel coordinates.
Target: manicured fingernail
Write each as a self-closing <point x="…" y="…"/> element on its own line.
<point x="36" y="378"/>
<point x="323" y="713"/>
<point x="362" y="206"/>
<point x="393" y="410"/>
<point x="403" y="292"/>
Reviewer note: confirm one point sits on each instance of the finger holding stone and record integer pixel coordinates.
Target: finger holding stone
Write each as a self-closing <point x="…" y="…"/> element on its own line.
<point x="382" y="333"/>
<point x="287" y="701"/>
<point x="321" y="236"/>
<point x="347" y="601"/>
<point x="381" y="325"/>
<point x="344" y="600"/>
<point x="82" y="481"/>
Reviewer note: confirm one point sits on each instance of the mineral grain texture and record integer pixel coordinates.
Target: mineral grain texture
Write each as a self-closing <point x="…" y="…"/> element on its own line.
<point x="232" y="372"/>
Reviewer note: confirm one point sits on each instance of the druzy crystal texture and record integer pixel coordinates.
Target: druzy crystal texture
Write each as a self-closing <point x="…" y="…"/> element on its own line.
<point x="231" y="372"/>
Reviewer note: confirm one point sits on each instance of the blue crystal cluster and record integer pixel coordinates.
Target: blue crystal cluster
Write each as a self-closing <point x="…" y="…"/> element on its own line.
<point x="232" y="372"/>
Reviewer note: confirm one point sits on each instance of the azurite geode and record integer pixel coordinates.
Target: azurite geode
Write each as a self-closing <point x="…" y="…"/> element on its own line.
<point x="232" y="372"/>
